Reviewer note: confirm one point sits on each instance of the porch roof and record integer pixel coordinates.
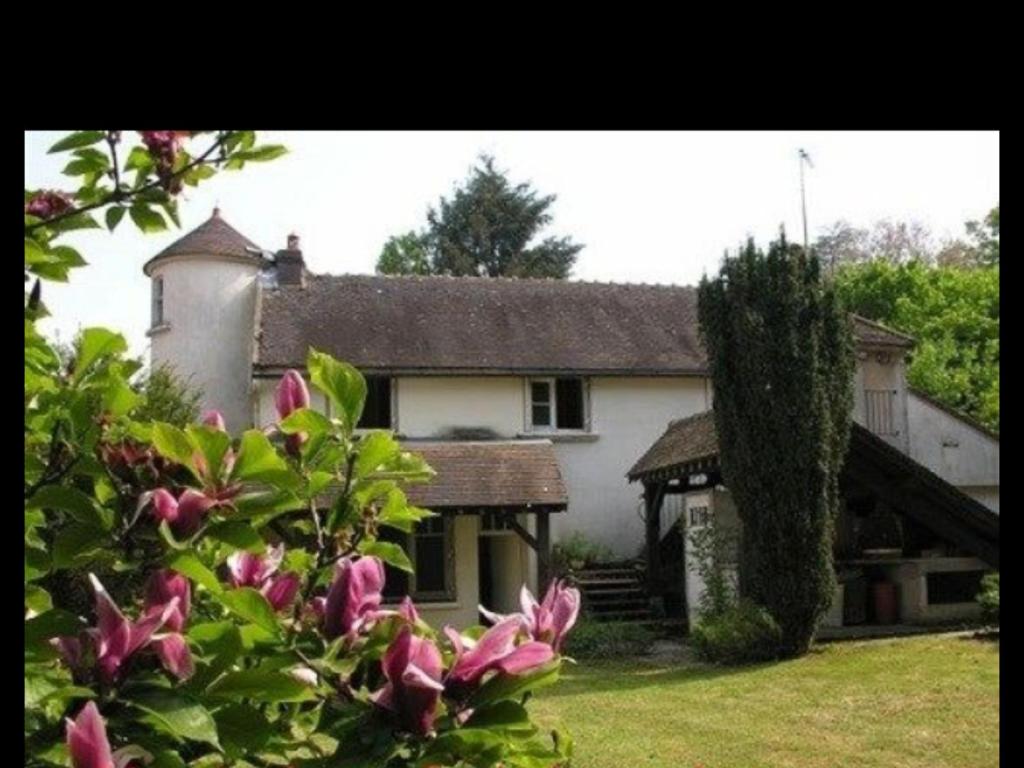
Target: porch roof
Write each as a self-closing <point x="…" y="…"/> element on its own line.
<point x="690" y="445"/>
<point x="489" y="474"/>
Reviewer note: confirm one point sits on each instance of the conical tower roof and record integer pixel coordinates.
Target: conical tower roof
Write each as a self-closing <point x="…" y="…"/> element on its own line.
<point x="214" y="237"/>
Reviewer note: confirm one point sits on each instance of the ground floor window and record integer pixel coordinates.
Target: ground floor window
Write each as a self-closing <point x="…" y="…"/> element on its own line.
<point x="949" y="587"/>
<point x="432" y="551"/>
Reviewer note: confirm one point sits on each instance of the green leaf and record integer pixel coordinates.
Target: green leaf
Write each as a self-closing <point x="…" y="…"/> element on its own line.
<point x="390" y="553"/>
<point x="266" y="505"/>
<point x="306" y="420"/>
<point x="181" y="716"/>
<point x="187" y="564"/>
<point x="174" y="444"/>
<point x="238" y="535"/>
<point x="213" y="444"/>
<point x="342" y="383"/>
<point x="250" y="605"/>
<point x="114" y="215"/>
<point x="375" y="449"/>
<point x="78" y="544"/>
<point x="504" y="715"/>
<point x="97" y="344"/>
<point x="77" y="139"/>
<point x="71" y="500"/>
<point x="513" y="686"/>
<point x="261" y="154"/>
<point x="243" y="729"/>
<point x="53" y="623"/>
<point x="262" y="685"/>
<point x="37" y="599"/>
<point x="256" y="457"/>
<point x="147" y="219"/>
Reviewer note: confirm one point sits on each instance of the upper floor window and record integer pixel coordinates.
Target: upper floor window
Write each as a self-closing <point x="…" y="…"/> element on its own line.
<point x="377" y="410"/>
<point x="158" y="302"/>
<point x="556" y="403"/>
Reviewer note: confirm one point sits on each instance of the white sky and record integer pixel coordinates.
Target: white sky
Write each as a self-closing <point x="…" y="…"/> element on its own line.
<point x="650" y="207"/>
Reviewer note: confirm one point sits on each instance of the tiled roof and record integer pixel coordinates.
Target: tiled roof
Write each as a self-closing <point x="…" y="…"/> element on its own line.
<point x="214" y="237"/>
<point x="871" y="332"/>
<point x="492" y="325"/>
<point x="685" y="441"/>
<point x="489" y="474"/>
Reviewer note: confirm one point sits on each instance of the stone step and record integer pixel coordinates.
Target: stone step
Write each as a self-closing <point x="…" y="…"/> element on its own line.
<point x="598" y="584"/>
<point x="630" y="615"/>
<point x="617" y="593"/>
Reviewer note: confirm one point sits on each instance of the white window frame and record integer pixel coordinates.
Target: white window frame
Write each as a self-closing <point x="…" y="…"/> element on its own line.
<point x="552" y="405"/>
<point x="553" y="427"/>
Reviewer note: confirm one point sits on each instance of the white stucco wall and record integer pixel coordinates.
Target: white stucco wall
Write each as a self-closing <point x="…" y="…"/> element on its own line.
<point x="209" y="315"/>
<point x="627" y="415"/>
<point x="429" y="406"/>
<point x="955" y="450"/>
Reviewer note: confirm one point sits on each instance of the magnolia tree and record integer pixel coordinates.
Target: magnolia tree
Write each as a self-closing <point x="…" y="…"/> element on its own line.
<point x="197" y="599"/>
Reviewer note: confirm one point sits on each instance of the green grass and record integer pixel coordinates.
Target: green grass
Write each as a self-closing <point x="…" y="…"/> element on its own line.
<point x="923" y="701"/>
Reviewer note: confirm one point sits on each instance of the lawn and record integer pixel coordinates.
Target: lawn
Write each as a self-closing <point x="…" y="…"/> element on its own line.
<point x="923" y="701"/>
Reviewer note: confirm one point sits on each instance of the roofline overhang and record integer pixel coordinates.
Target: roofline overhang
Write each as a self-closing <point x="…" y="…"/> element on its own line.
<point x="270" y="371"/>
<point x="257" y="261"/>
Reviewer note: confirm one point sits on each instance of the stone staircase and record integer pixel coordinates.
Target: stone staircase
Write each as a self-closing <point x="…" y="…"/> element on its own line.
<point x="614" y="592"/>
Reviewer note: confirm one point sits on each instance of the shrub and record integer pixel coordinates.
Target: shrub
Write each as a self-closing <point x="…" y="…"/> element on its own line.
<point x="608" y="640"/>
<point x="988" y="598"/>
<point x="742" y="634"/>
<point x="714" y="550"/>
<point x="577" y="549"/>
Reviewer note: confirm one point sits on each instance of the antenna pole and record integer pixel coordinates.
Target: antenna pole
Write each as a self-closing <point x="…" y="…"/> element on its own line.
<point x="803" y="195"/>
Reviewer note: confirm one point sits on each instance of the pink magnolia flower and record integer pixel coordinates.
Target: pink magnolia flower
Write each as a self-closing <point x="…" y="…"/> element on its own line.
<point x="161" y="588"/>
<point x="412" y="666"/>
<point x="184" y="514"/>
<point x="214" y="419"/>
<point x="291" y="395"/>
<point x="89" y="746"/>
<point x="164" y="588"/>
<point x="87" y="739"/>
<point x="115" y="638"/>
<point x="550" y="620"/>
<point x="354" y="596"/>
<point x="48" y="203"/>
<point x="495" y="650"/>
<point x="258" y="571"/>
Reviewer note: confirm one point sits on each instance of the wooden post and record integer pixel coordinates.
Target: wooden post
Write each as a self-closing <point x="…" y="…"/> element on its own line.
<point x="653" y="496"/>
<point x="543" y="551"/>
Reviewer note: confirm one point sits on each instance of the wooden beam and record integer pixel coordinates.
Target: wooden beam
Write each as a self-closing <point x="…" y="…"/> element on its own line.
<point x="654" y="495"/>
<point x="543" y="551"/>
<point x="524" y="534"/>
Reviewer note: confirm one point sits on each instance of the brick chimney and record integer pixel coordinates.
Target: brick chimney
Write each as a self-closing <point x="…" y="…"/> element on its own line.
<point x="291" y="268"/>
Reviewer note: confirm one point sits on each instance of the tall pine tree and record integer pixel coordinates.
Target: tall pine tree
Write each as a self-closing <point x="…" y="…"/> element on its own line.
<point x="487" y="228"/>
<point x="780" y="350"/>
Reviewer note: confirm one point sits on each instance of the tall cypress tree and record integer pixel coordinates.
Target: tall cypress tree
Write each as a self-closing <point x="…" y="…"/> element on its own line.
<point x="780" y="349"/>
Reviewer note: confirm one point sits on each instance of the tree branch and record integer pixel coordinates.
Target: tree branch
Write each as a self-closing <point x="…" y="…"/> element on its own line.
<point x="118" y="196"/>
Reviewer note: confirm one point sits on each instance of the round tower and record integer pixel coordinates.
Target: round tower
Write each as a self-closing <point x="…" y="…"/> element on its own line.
<point x="203" y="307"/>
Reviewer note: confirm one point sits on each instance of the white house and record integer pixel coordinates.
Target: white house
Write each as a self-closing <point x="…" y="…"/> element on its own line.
<point x="531" y="398"/>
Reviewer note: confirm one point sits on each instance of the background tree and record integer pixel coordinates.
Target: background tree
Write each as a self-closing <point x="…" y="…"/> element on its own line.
<point x="781" y="357"/>
<point x="404" y="255"/>
<point x="953" y="315"/>
<point x="487" y="228"/>
<point x="167" y="396"/>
